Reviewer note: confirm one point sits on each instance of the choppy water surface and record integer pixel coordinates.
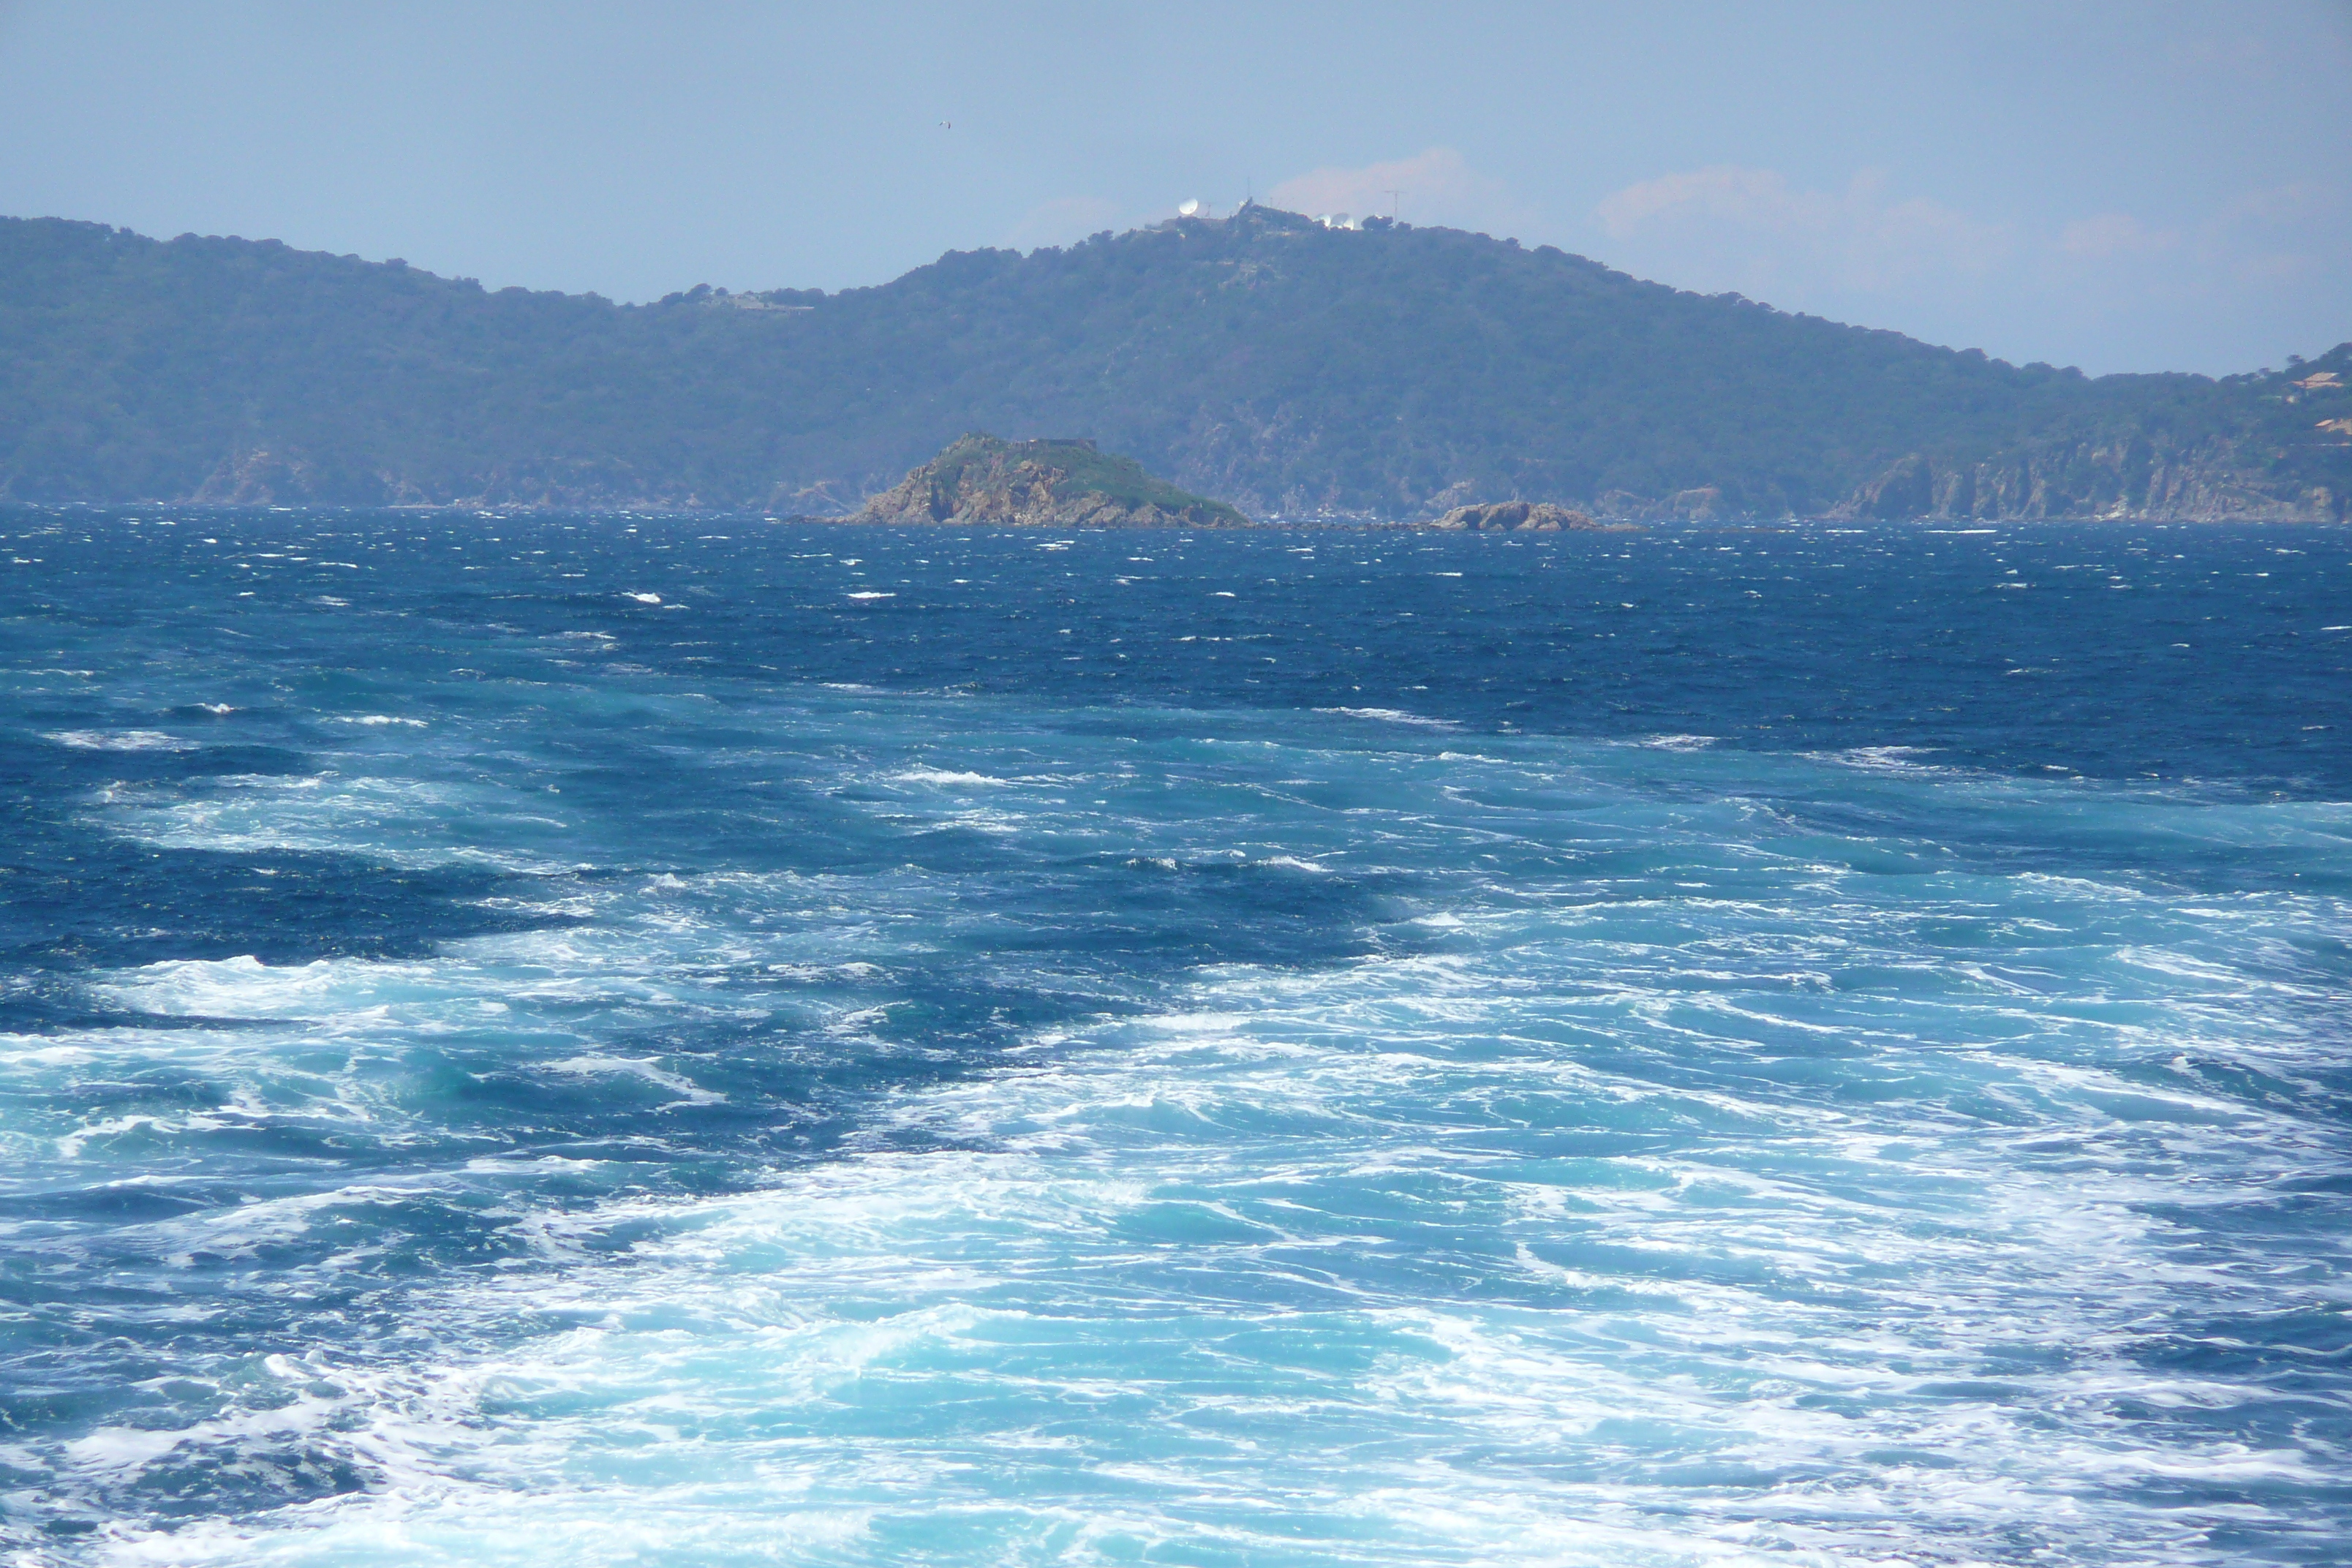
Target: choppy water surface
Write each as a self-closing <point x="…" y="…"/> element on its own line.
<point x="635" y="1040"/>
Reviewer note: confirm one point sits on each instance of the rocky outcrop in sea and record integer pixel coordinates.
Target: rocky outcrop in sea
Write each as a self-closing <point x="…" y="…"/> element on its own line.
<point x="981" y="482"/>
<point x="1515" y="517"/>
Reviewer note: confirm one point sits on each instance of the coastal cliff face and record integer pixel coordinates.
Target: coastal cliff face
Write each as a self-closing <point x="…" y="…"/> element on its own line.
<point x="258" y="478"/>
<point x="292" y="477"/>
<point x="2284" y="454"/>
<point x="980" y="481"/>
<point x="2127" y="478"/>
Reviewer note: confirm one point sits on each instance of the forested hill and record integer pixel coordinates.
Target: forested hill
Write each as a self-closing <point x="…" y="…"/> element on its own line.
<point x="1263" y="358"/>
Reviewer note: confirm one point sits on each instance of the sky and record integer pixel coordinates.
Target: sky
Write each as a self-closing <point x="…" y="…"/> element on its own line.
<point x="2149" y="186"/>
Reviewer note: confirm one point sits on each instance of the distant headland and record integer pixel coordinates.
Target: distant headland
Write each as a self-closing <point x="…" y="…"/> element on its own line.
<point x="1289" y="369"/>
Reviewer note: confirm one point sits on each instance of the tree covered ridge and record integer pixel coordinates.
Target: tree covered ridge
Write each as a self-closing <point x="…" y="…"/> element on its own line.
<point x="1263" y="359"/>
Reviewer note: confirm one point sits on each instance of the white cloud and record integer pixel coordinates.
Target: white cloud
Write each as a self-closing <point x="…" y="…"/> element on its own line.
<point x="2280" y="235"/>
<point x="2303" y="202"/>
<point x="1439" y="186"/>
<point x="1754" y="229"/>
<point x="2113" y="234"/>
<point x="2283" y="234"/>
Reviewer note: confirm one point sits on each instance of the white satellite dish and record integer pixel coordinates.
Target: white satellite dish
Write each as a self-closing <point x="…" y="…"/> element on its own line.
<point x="1188" y="209"/>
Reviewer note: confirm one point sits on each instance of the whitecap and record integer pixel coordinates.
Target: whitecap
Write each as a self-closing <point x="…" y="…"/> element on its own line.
<point x="1886" y="759"/>
<point x="688" y="1092"/>
<point x="121" y="741"/>
<point x="1393" y="716"/>
<point x="947" y="776"/>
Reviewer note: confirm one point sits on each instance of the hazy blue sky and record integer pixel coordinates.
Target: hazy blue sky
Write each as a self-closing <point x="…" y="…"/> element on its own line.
<point x="2122" y="186"/>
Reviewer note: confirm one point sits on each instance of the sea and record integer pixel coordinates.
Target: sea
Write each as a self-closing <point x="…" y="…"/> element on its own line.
<point x="633" y="1039"/>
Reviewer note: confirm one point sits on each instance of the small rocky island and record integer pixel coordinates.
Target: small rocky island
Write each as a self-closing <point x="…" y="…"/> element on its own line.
<point x="1519" y="517"/>
<point x="981" y="482"/>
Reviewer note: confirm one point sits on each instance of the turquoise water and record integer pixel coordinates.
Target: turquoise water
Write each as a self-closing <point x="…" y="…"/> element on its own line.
<point x="644" y="1040"/>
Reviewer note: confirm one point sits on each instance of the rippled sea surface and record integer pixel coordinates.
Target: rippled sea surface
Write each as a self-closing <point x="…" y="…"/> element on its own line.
<point x="639" y="1041"/>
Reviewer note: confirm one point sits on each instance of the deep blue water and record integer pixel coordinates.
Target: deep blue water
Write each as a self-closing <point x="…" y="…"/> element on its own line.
<point x="616" y="1040"/>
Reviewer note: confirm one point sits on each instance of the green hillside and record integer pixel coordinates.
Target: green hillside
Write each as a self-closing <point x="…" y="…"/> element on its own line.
<point x="1263" y="360"/>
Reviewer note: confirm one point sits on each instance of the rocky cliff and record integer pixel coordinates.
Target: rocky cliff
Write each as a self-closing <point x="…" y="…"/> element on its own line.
<point x="980" y="481"/>
<point x="2279" y="452"/>
<point x="2124" y="477"/>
